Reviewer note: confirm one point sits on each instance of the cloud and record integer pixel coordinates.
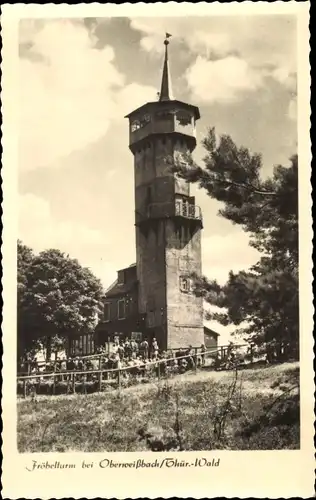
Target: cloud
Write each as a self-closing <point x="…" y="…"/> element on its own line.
<point x="40" y="230"/>
<point x="221" y="80"/>
<point x="292" y="110"/>
<point x="70" y="91"/>
<point x="220" y="254"/>
<point x="255" y="46"/>
<point x="207" y="43"/>
<point x="135" y="95"/>
<point x="285" y="76"/>
<point x="35" y="214"/>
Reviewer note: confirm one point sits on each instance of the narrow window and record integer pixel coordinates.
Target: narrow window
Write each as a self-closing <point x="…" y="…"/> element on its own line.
<point x="91" y="344"/>
<point x="89" y="339"/>
<point x="84" y="347"/>
<point x="107" y="311"/>
<point x="121" y="309"/>
<point x="121" y="277"/>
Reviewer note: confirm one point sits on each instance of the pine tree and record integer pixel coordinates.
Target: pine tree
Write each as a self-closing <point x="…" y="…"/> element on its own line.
<point x="265" y="297"/>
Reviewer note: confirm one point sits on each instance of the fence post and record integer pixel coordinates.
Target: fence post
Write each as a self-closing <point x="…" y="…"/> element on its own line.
<point x="100" y="381"/>
<point x="216" y="360"/>
<point x="195" y="359"/>
<point x="73" y="383"/>
<point x="24" y="388"/>
<point x="54" y="385"/>
<point x="119" y="379"/>
<point x="158" y="370"/>
<point x="251" y="353"/>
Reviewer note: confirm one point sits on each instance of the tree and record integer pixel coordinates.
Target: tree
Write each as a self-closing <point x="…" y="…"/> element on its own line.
<point x="56" y="297"/>
<point x="25" y="342"/>
<point x="266" y="296"/>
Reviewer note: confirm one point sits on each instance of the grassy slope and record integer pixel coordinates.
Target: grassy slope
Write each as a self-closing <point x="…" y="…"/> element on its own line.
<point x="110" y="421"/>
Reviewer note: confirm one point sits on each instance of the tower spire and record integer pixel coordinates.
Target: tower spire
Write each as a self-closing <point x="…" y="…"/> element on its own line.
<point x="166" y="90"/>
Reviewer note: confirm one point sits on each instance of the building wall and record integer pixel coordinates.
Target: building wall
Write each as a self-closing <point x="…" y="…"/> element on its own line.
<point x="185" y="310"/>
<point x="151" y="276"/>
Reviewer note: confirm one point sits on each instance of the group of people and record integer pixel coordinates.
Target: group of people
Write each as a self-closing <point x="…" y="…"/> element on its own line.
<point x="129" y="354"/>
<point x="131" y="349"/>
<point x="133" y="353"/>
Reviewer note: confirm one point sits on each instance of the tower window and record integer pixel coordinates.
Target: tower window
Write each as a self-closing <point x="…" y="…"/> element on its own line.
<point x="135" y="125"/>
<point x="183" y="119"/>
<point x="121" y="309"/>
<point x="107" y="309"/>
<point x="185" y="284"/>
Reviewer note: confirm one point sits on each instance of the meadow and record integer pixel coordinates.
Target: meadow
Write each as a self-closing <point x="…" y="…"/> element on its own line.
<point x="249" y="409"/>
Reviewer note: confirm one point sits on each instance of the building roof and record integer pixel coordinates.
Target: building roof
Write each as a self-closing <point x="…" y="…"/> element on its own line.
<point x="120" y="289"/>
<point x="166" y="89"/>
<point x="169" y="104"/>
<point x="165" y="95"/>
<point x="129" y="284"/>
<point x="210" y="333"/>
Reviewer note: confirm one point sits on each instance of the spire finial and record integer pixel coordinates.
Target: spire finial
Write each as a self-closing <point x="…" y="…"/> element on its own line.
<point x="166" y="91"/>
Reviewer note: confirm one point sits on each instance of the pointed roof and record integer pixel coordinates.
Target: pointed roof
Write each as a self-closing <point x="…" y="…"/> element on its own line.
<point x="165" y="96"/>
<point x="166" y="89"/>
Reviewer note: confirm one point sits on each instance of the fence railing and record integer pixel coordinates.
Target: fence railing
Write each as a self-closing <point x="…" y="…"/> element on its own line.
<point x="158" y="369"/>
<point x="100" y="356"/>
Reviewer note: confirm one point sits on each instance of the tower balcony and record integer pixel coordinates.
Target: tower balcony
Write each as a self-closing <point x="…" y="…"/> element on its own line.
<point x="186" y="211"/>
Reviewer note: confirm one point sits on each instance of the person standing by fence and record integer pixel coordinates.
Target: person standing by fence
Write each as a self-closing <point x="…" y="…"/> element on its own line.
<point x="203" y="351"/>
<point x="154" y="349"/>
<point x="144" y="349"/>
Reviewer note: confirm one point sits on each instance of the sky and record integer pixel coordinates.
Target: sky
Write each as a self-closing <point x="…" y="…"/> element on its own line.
<point x="80" y="77"/>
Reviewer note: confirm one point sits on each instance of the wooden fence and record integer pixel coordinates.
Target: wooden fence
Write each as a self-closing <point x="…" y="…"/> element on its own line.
<point x="221" y="350"/>
<point x="116" y="375"/>
<point x="92" y="357"/>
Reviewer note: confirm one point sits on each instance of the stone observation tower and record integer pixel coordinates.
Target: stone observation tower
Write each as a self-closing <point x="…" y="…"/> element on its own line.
<point x="168" y="223"/>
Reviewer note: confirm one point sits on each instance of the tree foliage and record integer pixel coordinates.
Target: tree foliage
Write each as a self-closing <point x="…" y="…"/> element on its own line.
<point x="56" y="297"/>
<point x="266" y="296"/>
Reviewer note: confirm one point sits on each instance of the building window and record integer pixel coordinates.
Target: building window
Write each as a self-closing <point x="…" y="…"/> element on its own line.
<point x="183" y="119"/>
<point x="107" y="311"/>
<point x="82" y="346"/>
<point x="185" y="284"/>
<point x="90" y="344"/>
<point x="121" y="277"/>
<point x="121" y="309"/>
